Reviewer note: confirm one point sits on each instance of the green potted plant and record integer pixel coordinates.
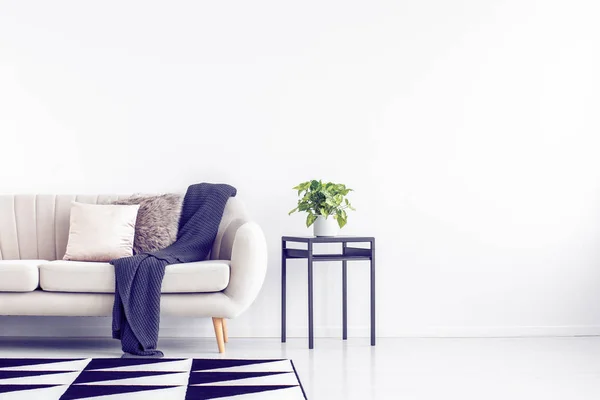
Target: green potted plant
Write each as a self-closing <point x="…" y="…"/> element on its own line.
<point x="321" y="201"/>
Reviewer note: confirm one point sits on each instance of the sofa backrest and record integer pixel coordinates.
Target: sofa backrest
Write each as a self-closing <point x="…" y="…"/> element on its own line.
<point x="36" y="227"/>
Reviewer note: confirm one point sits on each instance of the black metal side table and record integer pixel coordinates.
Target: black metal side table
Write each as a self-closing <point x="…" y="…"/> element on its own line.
<point x="349" y="253"/>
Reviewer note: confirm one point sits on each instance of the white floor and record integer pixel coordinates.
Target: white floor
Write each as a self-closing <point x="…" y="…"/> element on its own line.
<point x="404" y="369"/>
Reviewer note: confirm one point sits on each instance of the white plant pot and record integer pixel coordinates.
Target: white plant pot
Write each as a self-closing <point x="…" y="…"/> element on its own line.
<point x="325" y="226"/>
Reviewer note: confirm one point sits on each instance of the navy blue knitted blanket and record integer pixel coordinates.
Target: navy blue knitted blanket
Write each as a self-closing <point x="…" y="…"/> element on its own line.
<point x="136" y="311"/>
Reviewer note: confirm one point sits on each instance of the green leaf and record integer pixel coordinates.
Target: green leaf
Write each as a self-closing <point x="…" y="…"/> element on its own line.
<point x="293" y="211"/>
<point x="304" y="206"/>
<point x="310" y="219"/>
<point x="324" y="212"/>
<point x="349" y="205"/>
<point x="341" y="218"/>
<point x="302" y="187"/>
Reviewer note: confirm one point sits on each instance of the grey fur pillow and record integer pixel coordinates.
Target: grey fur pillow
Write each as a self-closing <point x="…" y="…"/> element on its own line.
<point x="157" y="220"/>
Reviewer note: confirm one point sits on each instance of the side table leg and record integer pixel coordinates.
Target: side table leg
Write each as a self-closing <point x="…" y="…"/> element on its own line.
<point x="283" y="292"/>
<point x="311" y="338"/>
<point x="344" y="300"/>
<point x="373" y="293"/>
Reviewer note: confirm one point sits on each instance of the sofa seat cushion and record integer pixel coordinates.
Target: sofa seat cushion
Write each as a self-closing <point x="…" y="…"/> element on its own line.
<point x="99" y="277"/>
<point x="19" y="275"/>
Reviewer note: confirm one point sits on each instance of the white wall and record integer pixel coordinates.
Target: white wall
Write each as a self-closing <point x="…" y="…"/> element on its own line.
<point x="469" y="129"/>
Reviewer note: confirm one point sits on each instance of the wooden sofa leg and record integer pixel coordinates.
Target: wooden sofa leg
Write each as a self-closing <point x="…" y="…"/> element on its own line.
<point x="218" y="325"/>
<point x="225" y="337"/>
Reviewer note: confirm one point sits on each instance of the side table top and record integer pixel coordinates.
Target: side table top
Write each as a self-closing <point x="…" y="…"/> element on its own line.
<point x="327" y="239"/>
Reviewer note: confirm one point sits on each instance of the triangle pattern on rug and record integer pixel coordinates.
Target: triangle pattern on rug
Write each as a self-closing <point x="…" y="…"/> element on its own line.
<point x="38" y="377"/>
<point x="46" y="393"/>
<point x="218" y="392"/>
<point x="90" y="391"/>
<point x="100" y="376"/>
<point x="24" y="364"/>
<point x="293" y="393"/>
<point x="106" y="363"/>
<point x="212" y="364"/>
<point x="262" y="366"/>
<point x="17" y="362"/>
<point x="171" y="393"/>
<point x="23" y="374"/>
<point x="179" y="365"/>
<point x="14" y="388"/>
<point x="170" y="379"/>
<point x="281" y="379"/>
<point x="200" y="378"/>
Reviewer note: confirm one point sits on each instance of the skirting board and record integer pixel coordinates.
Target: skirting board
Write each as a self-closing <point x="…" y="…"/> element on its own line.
<point x="434" y="332"/>
<point x="100" y="327"/>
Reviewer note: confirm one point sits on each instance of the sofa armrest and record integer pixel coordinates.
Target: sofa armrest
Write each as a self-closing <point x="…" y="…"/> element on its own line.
<point x="248" y="266"/>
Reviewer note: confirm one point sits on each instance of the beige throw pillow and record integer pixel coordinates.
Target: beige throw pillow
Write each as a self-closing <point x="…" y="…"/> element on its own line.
<point x="101" y="232"/>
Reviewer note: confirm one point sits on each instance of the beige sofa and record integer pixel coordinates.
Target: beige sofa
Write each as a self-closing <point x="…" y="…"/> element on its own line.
<point x="34" y="280"/>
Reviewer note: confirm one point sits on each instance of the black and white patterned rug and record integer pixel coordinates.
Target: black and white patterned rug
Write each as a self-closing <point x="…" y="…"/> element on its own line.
<point x="148" y="379"/>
